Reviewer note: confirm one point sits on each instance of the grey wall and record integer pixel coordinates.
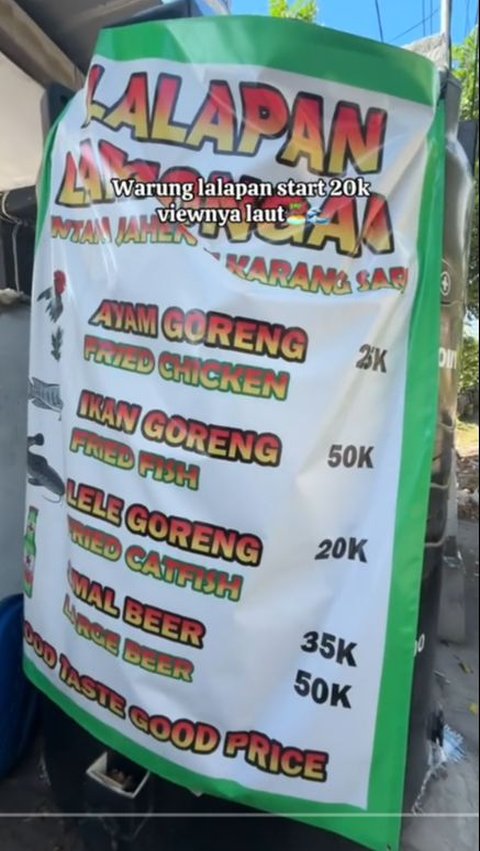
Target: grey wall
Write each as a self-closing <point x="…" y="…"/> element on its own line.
<point x="14" y="336"/>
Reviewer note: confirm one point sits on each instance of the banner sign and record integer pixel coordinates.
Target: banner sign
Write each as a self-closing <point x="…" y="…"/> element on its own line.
<point x="233" y="388"/>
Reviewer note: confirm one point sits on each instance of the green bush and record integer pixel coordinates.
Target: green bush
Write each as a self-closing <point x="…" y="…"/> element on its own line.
<point x="302" y="10"/>
<point x="469" y="364"/>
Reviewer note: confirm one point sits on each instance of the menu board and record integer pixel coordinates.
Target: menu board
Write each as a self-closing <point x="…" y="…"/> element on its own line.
<point x="233" y="386"/>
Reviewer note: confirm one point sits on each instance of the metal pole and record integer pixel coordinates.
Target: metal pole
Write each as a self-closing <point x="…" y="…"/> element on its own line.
<point x="446" y="26"/>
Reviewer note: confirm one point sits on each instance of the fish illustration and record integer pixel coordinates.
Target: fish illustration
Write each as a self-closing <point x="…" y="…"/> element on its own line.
<point x="39" y="471"/>
<point x="45" y="395"/>
<point x="53" y="295"/>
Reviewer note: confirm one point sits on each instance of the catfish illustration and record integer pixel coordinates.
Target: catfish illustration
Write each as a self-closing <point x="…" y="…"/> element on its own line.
<point x="39" y="471"/>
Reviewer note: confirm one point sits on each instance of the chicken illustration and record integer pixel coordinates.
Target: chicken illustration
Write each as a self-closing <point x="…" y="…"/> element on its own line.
<point x="53" y="295"/>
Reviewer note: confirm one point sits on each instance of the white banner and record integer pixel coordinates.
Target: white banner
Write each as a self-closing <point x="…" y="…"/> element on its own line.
<point x="217" y="415"/>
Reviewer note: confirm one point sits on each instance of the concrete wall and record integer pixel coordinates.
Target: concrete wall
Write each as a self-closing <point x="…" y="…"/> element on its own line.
<point x="21" y="139"/>
<point x="14" y="337"/>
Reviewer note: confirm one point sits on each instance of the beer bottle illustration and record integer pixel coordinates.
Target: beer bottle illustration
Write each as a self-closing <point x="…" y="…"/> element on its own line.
<point x="29" y="551"/>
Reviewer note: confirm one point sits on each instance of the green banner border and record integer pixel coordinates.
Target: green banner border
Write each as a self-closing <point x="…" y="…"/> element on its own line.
<point x="379" y="827"/>
<point x="258" y="40"/>
<point x="242" y="40"/>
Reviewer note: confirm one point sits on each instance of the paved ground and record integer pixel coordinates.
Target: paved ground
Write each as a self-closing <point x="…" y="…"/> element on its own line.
<point x="447" y="823"/>
<point x="450" y="796"/>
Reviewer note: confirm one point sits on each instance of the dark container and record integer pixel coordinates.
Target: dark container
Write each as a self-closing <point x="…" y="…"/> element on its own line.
<point x="425" y="716"/>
